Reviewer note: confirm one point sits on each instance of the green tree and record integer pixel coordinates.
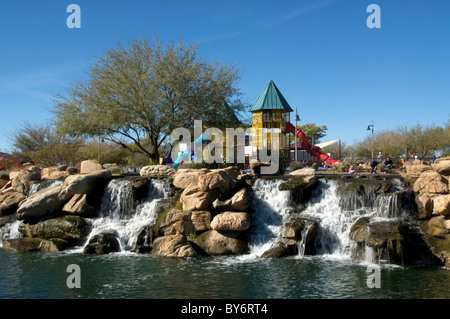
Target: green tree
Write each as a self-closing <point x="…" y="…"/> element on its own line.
<point x="313" y="131"/>
<point x="108" y="152"/>
<point x="388" y="142"/>
<point x="338" y="150"/>
<point x="426" y="141"/>
<point x="137" y="95"/>
<point x="42" y="145"/>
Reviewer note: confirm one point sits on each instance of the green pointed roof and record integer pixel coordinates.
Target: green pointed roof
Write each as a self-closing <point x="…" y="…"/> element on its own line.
<point x="271" y="99"/>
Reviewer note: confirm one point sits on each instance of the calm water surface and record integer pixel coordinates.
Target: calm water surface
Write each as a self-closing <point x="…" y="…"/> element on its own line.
<point x="44" y="275"/>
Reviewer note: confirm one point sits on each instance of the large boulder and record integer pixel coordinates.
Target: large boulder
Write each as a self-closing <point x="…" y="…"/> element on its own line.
<point x="414" y="170"/>
<point x="300" y="187"/>
<point x="239" y="202"/>
<point x="21" y="181"/>
<point x="104" y="243"/>
<point x="442" y="166"/>
<point x="292" y="231"/>
<point x="175" y="222"/>
<point x="431" y="182"/>
<point x="424" y="204"/>
<point x="183" y="178"/>
<point x="298" y="235"/>
<point x="437" y="235"/>
<point x="304" y="172"/>
<point x="54" y="172"/>
<point x="173" y="246"/>
<point x="231" y="221"/>
<point x="441" y="205"/>
<point x="438" y="226"/>
<point x="85" y="184"/>
<point x="9" y="202"/>
<point x="384" y="236"/>
<point x="157" y="171"/>
<point x="139" y="187"/>
<point x="90" y="167"/>
<point x="44" y="203"/>
<point x="224" y="180"/>
<point x="276" y="251"/>
<point x="72" y="229"/>
<point x="215" y="242"/>
<point x="194" y="198"/>
<point x="8" y="219"/>
<point x="56" y="175"/>
<point x="201" y="220"/>
<point x="4" y="182"/>
<point x="79" y="205"/>
<point x="33" y="244"/>
<point x="48" y="170"/>
<point x="144" y="241"/>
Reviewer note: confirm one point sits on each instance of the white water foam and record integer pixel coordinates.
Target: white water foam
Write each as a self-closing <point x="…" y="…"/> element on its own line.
<point x="270" y="209"/>
<point x="336" y="214"/>
<point x="10" y="231"/>
<point x="118" y="213"/>
<point x="39" y="186"/>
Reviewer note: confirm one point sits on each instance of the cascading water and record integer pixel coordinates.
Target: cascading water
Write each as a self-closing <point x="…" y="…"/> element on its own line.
<point x="10" y="230"/>
<point x="270" y="209"/>
<point x="119" y="214"/>
<point x="334" y="222"/>
<point x="337" y="212"/>
<point x="37" y="187"/>
<point x="333" y="211"/>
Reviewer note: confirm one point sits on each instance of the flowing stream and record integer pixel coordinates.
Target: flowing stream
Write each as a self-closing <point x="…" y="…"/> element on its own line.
<point x="119" y="214"/>
<point x="334" y="212"/>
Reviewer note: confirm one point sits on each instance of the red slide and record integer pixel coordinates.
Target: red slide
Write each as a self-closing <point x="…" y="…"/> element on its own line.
<point x="305" y="145"/>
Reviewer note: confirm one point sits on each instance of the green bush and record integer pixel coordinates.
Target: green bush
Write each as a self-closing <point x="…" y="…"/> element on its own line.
<point x="192" y="236"/>
<point x="346" y="163"/>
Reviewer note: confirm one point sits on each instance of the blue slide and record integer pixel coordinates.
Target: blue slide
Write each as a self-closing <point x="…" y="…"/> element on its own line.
<point x="179" y="160"/>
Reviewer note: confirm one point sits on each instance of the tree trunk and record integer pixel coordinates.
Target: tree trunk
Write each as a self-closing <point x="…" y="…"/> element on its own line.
<point x="154" y="157"/>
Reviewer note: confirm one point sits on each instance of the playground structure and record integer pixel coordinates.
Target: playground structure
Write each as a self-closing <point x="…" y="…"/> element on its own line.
<point x="204" y="138"/>
<point x="312" y="150"/>
<point x="270" y="112"/>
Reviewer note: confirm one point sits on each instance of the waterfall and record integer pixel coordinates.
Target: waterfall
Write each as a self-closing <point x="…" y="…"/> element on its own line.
<point x="10" y="228"/>
<point x="334" y="221"/>
<point x="119" y="214"/>
<point x="10" y="231"/>
<point x="39" y="186"/>
<point x="336" y="213"/>
<point x="270" y="209"/>
<point x="331" y="210"/>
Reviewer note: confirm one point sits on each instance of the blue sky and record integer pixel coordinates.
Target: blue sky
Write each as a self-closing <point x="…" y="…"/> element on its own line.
<point x="320" y="53"/>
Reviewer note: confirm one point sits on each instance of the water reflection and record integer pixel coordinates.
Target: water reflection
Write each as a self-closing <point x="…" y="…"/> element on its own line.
<point x="40" y="275"/>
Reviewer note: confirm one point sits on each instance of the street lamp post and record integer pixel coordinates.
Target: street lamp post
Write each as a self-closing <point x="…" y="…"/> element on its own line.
<point x="100" y="140"/>
<point x="370" y="127"/>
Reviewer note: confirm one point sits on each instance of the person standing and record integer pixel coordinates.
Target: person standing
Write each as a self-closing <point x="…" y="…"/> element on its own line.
<point x="380" y="157"/>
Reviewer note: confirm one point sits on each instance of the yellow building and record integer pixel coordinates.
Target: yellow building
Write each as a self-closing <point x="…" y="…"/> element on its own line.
<point x="270" y="111"/>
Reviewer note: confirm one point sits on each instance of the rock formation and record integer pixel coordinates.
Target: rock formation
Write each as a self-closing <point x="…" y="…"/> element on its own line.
<point x="431" y="187"/>
<point x="213" y="215"/>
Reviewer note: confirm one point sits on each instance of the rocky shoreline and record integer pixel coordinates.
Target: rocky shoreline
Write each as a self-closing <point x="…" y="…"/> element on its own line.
<point x="210" y="213"/>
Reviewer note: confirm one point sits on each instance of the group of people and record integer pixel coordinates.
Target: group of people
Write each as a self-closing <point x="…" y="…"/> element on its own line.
<point x="388" y="165"/>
